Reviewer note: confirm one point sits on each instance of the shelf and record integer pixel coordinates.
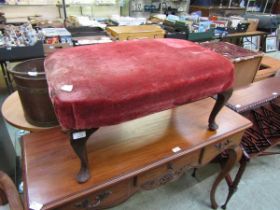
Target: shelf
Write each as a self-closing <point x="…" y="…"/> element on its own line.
<point x="140" y="11"/>
<point x="18" y="5"/>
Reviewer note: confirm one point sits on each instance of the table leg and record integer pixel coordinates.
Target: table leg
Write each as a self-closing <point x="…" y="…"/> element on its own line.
<point x="7" y="77"/>
<point x="263" y="43"/>
<point x="78" y="140"/>
<point x="220" y="102"/>
<point x="233" y="186"/>
<point x="3" y="198"/>
<point x="8" y="189"/>
<point x="234" y="155"/>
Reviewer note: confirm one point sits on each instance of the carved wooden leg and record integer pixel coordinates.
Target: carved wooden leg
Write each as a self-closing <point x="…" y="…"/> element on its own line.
<point x="222" y="98"/>
<point x="8" y="192"/>
<point x="78" y="140"/>
<point x="234" y="185"/>
<point x="233" y="157"/>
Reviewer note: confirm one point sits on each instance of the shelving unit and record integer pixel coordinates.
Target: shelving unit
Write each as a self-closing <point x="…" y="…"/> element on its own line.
<point x="139" y="8"/>
<point x="64" y="8"/>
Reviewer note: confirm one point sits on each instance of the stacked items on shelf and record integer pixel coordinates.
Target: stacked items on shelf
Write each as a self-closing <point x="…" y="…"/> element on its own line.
<point x="86" y="30"/>
<point x="196" y="28"/>
<point x="80" y="21"/>
<point x="56" y="36"/>
<point x="233" y="24"/>
<point x="42" y="22"/>
<point x="19" y="36"/>
<point x="190" y="27"/>
<point x="20" y="42"/>
<point x="128" y="21"/>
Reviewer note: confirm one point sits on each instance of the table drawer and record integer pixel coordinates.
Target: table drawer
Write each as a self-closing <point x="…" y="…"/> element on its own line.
<point x="105" y="198"/>
<point x="167" y="172"/>
<point x="211" y="151"/>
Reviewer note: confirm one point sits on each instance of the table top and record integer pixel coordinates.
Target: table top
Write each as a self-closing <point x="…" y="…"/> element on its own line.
<point x="12" y="112"/>
<point x="249" y="33"/>
<point x="121" y="151"/>
<point x="255" y="94"/>
<point x="233" y="52"/>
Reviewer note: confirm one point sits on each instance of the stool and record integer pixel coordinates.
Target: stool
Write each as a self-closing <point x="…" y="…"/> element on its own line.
<point x="101" y="85"/>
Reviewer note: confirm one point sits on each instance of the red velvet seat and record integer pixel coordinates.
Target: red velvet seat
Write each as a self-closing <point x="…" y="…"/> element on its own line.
<point x="120" y="81"/>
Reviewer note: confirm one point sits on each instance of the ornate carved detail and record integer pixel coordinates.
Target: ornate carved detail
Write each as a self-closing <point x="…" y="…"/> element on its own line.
<point x="222" y="145"/>
<point x="170" y="176"/>
<point x="88" y="204"/>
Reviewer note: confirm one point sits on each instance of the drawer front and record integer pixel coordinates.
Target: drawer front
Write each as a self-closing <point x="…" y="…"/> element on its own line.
<point x="211" y="151"/>
<point x="106" y="198"/>
<point x="167" y="172"/>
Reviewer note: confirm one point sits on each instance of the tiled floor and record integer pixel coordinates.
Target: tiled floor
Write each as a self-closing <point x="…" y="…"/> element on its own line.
<point x="258" y="190"/>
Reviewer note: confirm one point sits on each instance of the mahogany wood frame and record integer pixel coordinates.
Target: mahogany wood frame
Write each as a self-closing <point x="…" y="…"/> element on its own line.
<point x="79" y="144"/>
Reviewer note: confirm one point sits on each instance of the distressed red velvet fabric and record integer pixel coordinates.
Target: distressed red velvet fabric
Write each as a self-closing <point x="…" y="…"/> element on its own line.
<point x="121" y="81"/>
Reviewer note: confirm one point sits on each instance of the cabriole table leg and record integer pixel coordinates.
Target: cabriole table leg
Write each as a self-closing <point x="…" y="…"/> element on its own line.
<point x="234" y="154"/>
<point x="233" y="186"/>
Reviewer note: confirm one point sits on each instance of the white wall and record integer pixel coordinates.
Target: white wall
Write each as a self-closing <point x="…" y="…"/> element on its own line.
<point x="23" y="11"/>
<point x="51" y="11"/>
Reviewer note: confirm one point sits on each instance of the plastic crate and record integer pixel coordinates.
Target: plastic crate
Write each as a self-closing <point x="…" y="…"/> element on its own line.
<point x="201" y="36"/>
<point x="22" y="53"/>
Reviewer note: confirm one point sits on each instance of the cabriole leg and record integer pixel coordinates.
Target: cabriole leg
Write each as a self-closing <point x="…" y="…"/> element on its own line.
<point x="222" y="98"/>
<point x="234" y="154"/>
<point x="234" y="185"/>
<point x="78" y="140"/>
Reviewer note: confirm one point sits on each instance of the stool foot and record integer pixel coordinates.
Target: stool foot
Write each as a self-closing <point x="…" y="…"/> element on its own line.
<point x="220" y="102"/>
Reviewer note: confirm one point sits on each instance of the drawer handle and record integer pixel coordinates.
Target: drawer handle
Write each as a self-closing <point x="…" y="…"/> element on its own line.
<point x="222" y="145"/>
<point x="87" y="204"/>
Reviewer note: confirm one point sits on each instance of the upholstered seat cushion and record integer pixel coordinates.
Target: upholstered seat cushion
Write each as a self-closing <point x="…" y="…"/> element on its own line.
<point x="120" y="81"/>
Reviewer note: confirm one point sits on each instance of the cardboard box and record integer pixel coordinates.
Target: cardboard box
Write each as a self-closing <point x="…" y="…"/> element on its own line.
<point x="253" y="24"/>
<point x="135" y="32"/>
<point x="50" y="48"/>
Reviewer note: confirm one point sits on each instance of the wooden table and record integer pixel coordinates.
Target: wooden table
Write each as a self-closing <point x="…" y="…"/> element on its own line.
<point x="237" y="38"/>
<point x="141" y="154"/>
<point x="12" y="112"/>
<point x="252" y="101"/>
<point x="254" y="95"/>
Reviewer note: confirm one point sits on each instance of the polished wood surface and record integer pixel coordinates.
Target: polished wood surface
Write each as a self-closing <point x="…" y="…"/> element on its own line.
<point x="135" y="29"/>
<point x="245" y="71"/>
<point x="244" y="34"/>
<point x="12" y="112"/>
<point x="118" y="154"/>
<point x="255" y="94"/>
<point x="269" y="66"/>
<point x="135" y="32"/>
